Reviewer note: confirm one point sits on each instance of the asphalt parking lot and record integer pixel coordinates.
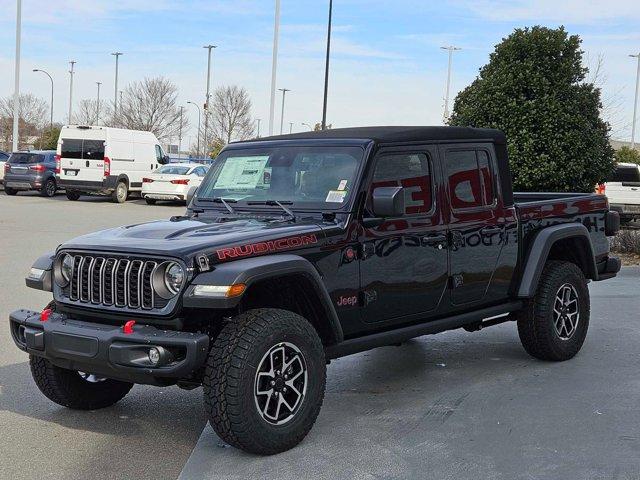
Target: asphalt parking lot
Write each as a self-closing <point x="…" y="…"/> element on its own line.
<point x="451" y="406"/>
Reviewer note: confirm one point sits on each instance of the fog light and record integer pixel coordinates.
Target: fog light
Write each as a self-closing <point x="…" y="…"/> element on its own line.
<point x="154" y="356"/>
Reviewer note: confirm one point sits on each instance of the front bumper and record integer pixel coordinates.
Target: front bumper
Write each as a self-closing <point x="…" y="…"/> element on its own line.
<point x="106" y="350"/>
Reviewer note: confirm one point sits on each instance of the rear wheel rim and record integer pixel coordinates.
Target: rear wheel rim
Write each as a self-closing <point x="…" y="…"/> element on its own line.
<point x="566" y="312"/>
<point x="122" y="191"/>
<point x="50" y="188"/>
<point x="280" y="383"/>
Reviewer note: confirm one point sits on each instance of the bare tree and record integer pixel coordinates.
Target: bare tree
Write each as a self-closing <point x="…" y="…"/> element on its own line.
<point x="86" y="113"/>
<point x="230" y="117"/>
<point x="32" y="119"/>
<point x="151" y="105"/>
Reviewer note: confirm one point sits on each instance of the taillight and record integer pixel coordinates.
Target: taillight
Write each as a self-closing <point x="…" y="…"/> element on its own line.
<point x="147" y="180"/>
<point x="180" y="182"/>
<point x="38" y="168"/>
<point x="600" y="188"/>
<point x="57" y="157"/>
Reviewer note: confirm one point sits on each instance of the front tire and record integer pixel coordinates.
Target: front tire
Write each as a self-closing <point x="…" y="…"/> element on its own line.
<point x="554" y="324"/>
<point x="150" y="201"/>
<point x="264" y="381"/>
<point x="76" y="390"/>
<point x="73" y="196"/>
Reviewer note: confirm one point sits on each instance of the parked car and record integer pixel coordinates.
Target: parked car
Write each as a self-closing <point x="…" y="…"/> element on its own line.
<point x="303" y="248"/>
<point x="4" y="156"/>
<point x="106" y="161"/>
<point x="623" y="191"/>
<point x="34" y="170"/>
<point x="172" y="182"/>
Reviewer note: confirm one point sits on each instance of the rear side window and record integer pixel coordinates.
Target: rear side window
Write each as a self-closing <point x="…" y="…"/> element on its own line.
<point x="470" y="179"/>
<point x="171" y="170"/>
<point x="410" y="171"/>
<point x="626" y="174"/>
<point x="85" y="149"/>
<point x="25" y="158"/>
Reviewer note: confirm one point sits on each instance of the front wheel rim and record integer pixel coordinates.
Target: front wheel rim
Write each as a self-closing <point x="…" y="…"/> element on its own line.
<point x="280" y="383"/>
<point x="566" y="312"/>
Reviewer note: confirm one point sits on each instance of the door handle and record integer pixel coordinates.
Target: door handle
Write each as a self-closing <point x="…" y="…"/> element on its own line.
<point x="490" y="230"/>
<point x="435" y="240"/>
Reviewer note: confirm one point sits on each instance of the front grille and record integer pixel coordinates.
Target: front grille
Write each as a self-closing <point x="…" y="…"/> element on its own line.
<point x="113" y="282"/>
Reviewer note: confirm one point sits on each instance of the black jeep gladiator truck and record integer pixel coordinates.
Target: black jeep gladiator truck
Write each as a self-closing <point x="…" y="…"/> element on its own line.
<point x="299" y="249"/>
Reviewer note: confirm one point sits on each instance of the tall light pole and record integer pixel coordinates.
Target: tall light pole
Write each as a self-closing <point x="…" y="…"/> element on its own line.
<point x="16" y="91"/>
<point x="50" y="78"/>
<point x="284" y="91"/>
<point x="198" y="142"/>
<point x="71" y="72"/>
<point x="180" y="132"/>
<point x="258" y="120"/>
<point x="635" y="103"/>
<point x="274" y="67"/>
<point x="290" y="128"/>
<point x="207" y="97"/>
<point x="98" y="104"/>
<point x="115" y="95"/>
<point x="326" y="69"/>
<point x="445" y="115"/>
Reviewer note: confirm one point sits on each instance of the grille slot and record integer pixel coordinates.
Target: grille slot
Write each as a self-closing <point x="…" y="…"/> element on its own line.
<point x="111" y="281"/>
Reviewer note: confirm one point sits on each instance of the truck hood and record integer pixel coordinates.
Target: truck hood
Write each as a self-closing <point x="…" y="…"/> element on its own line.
<point x="186" y="237"/>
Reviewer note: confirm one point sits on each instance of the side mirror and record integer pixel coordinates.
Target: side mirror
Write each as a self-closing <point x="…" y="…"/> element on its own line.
<point x="190" y="194"/>
<point x="388" y="202"/>
<point x="164" y="160"/>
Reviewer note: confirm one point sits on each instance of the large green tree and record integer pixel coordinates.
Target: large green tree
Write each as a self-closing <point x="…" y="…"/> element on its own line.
<point x="534" y="90"/>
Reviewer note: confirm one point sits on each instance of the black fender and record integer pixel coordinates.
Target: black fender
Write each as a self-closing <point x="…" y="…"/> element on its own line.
<point x="45" y="263"/>
<point x="251" y="270"/>
<point x="539" y="253"/>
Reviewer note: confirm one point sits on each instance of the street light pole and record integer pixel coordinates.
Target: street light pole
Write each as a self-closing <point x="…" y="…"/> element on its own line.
<point x="326" y="69"/>
<point x="290" y="128"/>
<point x="274" y="67"/>
<point x="258" y="121"/>
<point x="450" y="49"/>
<point x="180" y="133"/>
<point x="47" y="74"/>
<point x="207" y="97"/>
<point x="635" y="104"/>
<point x="198" y="141"/>
<point x="16" y="91"/>
<point x="115" y="95"/>
<point x="284" y="91"/>
<point x="98" y="104"/>
<point x="72" y="62"/>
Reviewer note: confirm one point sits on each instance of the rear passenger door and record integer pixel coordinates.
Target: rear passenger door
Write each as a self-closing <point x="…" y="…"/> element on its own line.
<point x="403" y="266"/>
<point x="476" y="219"/>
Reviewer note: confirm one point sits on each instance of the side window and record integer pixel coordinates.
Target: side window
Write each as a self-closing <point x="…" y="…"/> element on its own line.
<point x="412" y="171"/>
<point x="200" y="171"/>
<point x="159" y="153"/>
<point x="470" y="179"/>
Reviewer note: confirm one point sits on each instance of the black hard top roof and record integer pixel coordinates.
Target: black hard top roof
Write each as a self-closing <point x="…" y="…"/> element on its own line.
<point x="398" y="134"/>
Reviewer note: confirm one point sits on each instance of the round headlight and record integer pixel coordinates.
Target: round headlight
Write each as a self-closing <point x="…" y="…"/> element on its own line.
<point x="64" y="270"/>
<point x="173" y="277"/>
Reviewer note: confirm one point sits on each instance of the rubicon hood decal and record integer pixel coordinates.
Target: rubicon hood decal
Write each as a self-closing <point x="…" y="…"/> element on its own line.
<point x="265" y="247"/>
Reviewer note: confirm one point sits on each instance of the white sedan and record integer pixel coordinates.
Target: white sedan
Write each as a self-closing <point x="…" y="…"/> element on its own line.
<point x="172" y="182"/>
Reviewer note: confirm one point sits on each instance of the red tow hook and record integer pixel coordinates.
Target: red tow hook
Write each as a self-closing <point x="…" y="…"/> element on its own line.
<point x="127" y="328"/>
<point x="45" y="314"/>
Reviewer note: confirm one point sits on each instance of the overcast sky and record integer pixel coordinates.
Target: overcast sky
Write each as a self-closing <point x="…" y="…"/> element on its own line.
<point x="386" y="68"/>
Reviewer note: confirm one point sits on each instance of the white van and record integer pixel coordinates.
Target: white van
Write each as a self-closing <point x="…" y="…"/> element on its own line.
<point x="623" y="191"/>
<point x="105" y="161"/>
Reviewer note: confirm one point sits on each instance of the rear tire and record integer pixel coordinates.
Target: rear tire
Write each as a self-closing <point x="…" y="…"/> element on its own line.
<point x="48" y="188"/>
<point x="264" y="381"/>
<point x="150" y="201"/>
<point x="10" y="191"/>
<point x="73" y="196"/>
<point x="121" y="192"/>
<point x="554" y="324"/>
<point x="74" y="390"/>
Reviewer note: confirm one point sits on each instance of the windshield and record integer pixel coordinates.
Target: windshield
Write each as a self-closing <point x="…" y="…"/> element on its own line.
<point x="304" y="176"/>
<point x="169" y="170"/>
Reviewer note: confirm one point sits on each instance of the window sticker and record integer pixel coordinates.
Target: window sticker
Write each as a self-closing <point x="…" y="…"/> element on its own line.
<point x="342" y="185"/>
<point x="336" y="196"/>
<point x="242" y="172"/>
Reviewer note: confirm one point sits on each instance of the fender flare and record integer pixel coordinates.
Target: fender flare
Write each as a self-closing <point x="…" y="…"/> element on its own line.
<point x="251" y="270"/>
<point x="539" y="252"/>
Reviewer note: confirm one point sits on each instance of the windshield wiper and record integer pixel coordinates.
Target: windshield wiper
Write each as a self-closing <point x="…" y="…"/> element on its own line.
<point x="224" y="201"/>
<point x="279" y="204"/>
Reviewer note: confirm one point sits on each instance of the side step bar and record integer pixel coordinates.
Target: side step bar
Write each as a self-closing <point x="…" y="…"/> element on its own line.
<point x="391" y="337"/>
